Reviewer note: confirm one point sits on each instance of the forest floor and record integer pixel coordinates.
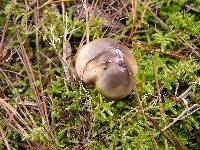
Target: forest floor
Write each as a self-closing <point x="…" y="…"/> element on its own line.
<point x="43" y="107"/>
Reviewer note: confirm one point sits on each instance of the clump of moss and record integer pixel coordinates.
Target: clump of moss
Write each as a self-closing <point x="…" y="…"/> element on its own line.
<point x="80" y="118"/>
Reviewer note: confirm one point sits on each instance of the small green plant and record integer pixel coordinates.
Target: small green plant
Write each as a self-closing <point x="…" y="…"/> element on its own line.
<point x="39" y="109"/>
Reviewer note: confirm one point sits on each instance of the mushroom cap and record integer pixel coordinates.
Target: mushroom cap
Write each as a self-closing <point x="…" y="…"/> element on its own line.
<point x="108" y="65"/>
<point x="115" y="83"/>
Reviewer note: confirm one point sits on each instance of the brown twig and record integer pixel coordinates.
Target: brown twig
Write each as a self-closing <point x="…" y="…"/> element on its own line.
<point x="67" y="60"/>
<point x="87" y="20"/>
<point x="177" y="145"/>
<point x="26" y="62"/>
<point x="134" y="17"/>
<point x="180" y="116"/>
<point x="4" y="138"/>
<point x="167" y="28"/>
<point x="11" y="113"/>
<point x="147" y="117"/>
<point x="180" y="57"/>
<point x="14" y="114"/>
<point x="5" y="28"/>
<point x="142" y="15"/>
<point x="8" y="80"/>
<point x="140" y="106"/>
<point x="155" y="71"/>
<point x="10" y="71"/>
<point x="85" y="32"/>
<point x="28" y="113"/>
<point x="36" y="10"/>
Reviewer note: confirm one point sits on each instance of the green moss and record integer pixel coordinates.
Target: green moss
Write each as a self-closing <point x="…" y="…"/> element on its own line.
<point x="82" y="118"/>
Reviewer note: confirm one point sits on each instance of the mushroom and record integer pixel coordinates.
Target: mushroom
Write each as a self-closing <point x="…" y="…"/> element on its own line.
<point x="107" y="64"/>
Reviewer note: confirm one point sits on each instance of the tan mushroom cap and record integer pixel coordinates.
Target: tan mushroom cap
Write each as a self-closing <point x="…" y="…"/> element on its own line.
<point x="108" y="65"/>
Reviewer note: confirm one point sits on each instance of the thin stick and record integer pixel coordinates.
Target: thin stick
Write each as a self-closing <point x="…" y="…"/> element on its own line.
<point x="67" y="59"/>
<point x="5" y="28"/>
<point x="179" y="38"/>
<point x="159" y="129"/>
<point x="38" y="66"/>
<point x="198" y="108"/>
<point x="4" y="138"/>
<point x="146" y="117"/>
<point x="143" y="13"/>
<point x="26" y="62"/>
<point x="87" y="20"/>
<point x="134" y="17"/>
<point x="85" y="32"/>
<point x="5" y="70"/>
<point x="140" y="106"/>
<point x="29" y="115"/>
<point x="155" y="71"/>
<point x="184" y="95"/>
<point x="11" y="113"/>
<point x="180" y="116"/>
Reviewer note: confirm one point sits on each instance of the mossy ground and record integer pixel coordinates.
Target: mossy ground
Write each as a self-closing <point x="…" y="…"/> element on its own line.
<point x="39" y="109"/>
